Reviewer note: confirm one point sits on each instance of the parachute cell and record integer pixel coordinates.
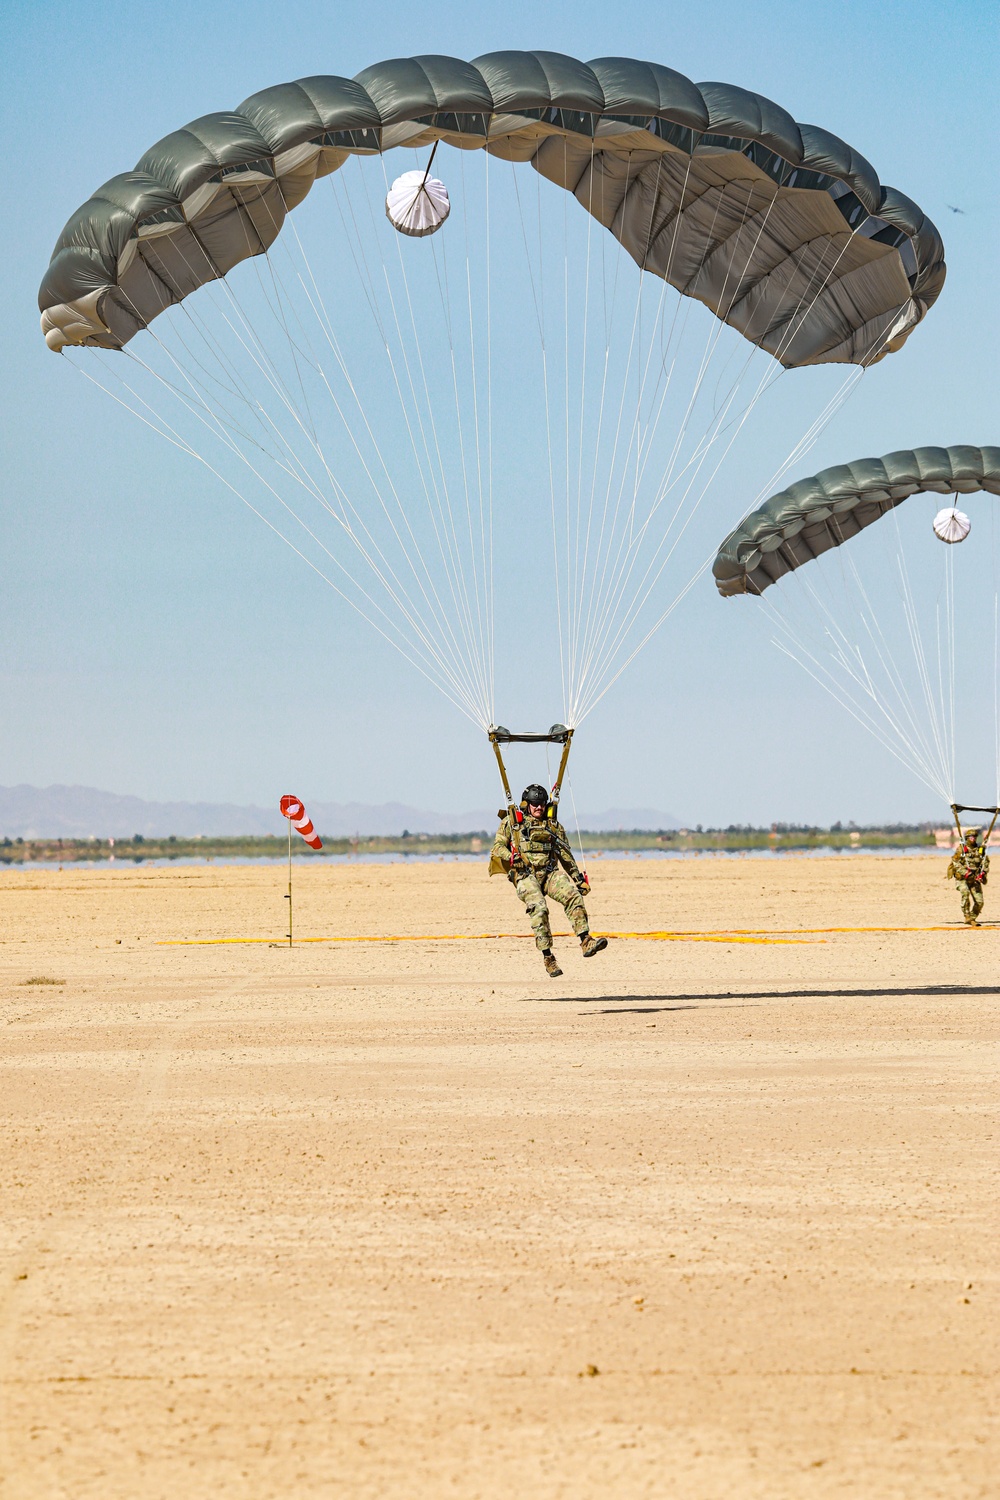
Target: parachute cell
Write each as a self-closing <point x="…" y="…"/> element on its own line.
<point x="814" y="515"/>
<point x="693" y="180"/>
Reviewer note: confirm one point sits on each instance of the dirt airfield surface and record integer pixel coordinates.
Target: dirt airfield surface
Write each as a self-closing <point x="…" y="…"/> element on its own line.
<point x="713" y="1216"/>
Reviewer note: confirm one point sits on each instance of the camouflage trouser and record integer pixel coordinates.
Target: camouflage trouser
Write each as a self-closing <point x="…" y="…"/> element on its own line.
<point x="533" y="890"/>
<point x="973" y="897"/>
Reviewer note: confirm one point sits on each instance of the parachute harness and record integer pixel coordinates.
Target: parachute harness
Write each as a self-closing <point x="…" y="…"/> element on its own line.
<point x="558" y="734"/>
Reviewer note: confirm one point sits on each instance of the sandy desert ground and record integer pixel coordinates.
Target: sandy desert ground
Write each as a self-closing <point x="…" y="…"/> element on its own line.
<point x="714" y="1216"/>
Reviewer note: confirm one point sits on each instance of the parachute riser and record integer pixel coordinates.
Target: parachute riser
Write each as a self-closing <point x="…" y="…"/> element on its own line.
<point x="512" y="810"/>
<point x="959" y="807"/>
<point x="557" y="735"/>
<point x="561" y="773"/>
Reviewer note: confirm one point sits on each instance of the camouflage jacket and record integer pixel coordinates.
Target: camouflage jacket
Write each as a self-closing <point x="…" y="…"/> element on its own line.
<point x="543" y="842"/>
<point x="970" y="863"/>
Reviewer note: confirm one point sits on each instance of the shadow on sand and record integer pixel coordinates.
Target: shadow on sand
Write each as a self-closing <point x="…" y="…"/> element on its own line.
<point x="641" y="1005"/>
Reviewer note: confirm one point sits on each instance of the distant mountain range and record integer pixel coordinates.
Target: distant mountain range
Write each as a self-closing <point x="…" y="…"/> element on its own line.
<point x="80" y="812"/>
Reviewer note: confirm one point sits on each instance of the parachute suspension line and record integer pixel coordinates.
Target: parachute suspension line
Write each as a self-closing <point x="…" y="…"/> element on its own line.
<point x="851" y="659"/>
<point x="933" y="751"/>
<point x="158" y="425"/>
<point x="591" y="629"/>
<point x="575" y="586"/>
<point x="809" y="438"/>
<point x="623" y="619"/>
<point x="902" y="719"/>
<point x="486" y="555"/>
<point x="768" y="378"/>
<point x="603" y="550"/>
<point x="538" y="297"/>
<point x="538" y="300"/>
<point x="580" y="626"/>
<point x="833" y="406"/>
<point x="838" y="400"/>
<point x="949" y="562"/>
<point x="841" y="396"/>
<point x="265" y="365"/>
<point x="605" y="687"/>
<point x="477" y="422"/>
<point x="941" y="718"/>
<point x="898" y="727"/>
<point x="380" y="325"/>
<point x="457" y="582"/>
<point x="576" y="825"/>
<point x="441" y="666"/>
<point x="797" y="653"/>
<point x="443" y="623"/>
<point x="484" y="623"/>
<point x="567" y="472"/>
<point x="489" y="387"/>
<point x="912" y="749"/>
<point x="624" y="564"/>
<point x="634" y="443"/>
<point x="397" y="593"/>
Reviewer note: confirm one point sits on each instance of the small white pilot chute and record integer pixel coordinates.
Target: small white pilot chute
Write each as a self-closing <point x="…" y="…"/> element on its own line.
<point x="417" y="204"/>
<point x="951" y="524"/>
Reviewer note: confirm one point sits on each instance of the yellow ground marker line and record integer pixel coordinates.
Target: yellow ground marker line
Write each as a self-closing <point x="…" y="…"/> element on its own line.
<point x="943" y="927"/>
<point x="780" y="935"/>
<point x="479" y="937"/>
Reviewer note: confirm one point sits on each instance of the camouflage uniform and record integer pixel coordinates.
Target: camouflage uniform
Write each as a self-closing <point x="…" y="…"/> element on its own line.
<point x="544" y="847"/>
<point x="970" y="865"/>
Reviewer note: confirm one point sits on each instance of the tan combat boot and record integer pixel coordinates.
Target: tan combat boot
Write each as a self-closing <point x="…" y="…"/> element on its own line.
<point x="591" y="945"/>
<point x="552" y="969"/>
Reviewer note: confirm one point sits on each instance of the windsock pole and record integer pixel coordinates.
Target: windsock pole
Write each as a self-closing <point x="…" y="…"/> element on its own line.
<point x="296" y="814"/>
<point x="288" y="898"/>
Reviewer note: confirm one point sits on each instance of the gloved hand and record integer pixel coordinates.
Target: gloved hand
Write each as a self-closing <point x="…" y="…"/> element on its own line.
<point x="582" y="883"/>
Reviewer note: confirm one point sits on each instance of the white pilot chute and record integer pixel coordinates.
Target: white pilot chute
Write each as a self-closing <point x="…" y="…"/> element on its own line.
<point x="417" y="204"/>
<point x="951" y="525"/>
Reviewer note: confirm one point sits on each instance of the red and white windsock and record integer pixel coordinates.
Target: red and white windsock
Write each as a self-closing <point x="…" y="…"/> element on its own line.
<point x="299" y="819"/>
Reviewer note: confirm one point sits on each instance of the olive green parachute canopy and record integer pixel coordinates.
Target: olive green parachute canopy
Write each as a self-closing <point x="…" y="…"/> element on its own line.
<point x="814" y="515"/>
<point x="782" y="229"/>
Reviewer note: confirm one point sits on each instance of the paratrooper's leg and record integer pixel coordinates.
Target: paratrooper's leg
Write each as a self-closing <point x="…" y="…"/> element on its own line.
<point x="559" y="886"/>
<point x="530" y="892"/>
<point x="965" y="891"/>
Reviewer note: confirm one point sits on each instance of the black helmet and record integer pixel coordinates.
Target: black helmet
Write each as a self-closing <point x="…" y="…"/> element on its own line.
<point x="534" y="796"/>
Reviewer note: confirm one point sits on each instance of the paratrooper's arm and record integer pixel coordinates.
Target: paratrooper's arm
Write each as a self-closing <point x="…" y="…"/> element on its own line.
<point x="566" y="857"/>
<point x="567" y="860"/>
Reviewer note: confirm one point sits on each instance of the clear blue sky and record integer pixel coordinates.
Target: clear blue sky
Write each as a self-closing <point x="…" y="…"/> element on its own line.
<point x="155" y="641"/>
